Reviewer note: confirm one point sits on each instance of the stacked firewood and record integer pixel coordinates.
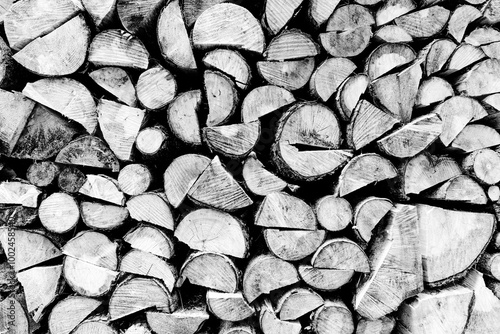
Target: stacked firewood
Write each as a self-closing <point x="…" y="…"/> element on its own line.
<point x="241" y="166"/>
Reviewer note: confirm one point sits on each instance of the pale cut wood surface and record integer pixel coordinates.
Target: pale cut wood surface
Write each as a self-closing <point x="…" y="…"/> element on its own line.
<point x="324" y="279"/>
<point x="182" y="116"/>
<point x="349" y="94"/>
<point x="120" y="125"/>
<point x="229" y="306"/>
<point x="392" y="9"/>
<point x="459" y="20"/>
<point x="68" y="97"/>
<point x="134" y="179"/>
<point x="235" y="140"/>
<point x="264" y="100"/>
<point x="156" y="88"/>
<point x="367" y="215"/>
<point x="258" y="179"/>
<point x="173" y="37"/>
<point x="228" y="25"/>
<point x="138" y="16"/>
<point x="117" y="82"/>
<point x="152" y="240"/>
<point x="14" y="113"/>
<point x="68" y="313"/>
<point x="61" y="52"/>
<point x="333" y="213"/>
<point x="26" y="20"/>
<point x="291" y="44"/>
<point x="293" y="245"/>
<point x="231" y="63"/>
<point x="277" y="13"/>
<point x="104" y="188"/>
<point x="101" y="12"/>
<point x="93" y="248"/>
<point x="116" y="47"/>
<point x="59" y="213"/>
<point x="222" y="97"/>
<point x="21" y="193"/>
<point x="329" y="76"/>
<point x="461" y="188"/>
<point x="424" y="23"/>
<point x="102" y="216"/>
<point x="386" y="57"/>
<point x="341" y="254"/>
<point x="297" y="302"/>
<point x="291" y="74"/>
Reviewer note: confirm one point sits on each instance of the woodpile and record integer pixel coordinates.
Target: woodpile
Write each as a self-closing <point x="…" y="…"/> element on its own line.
<point x="239" y="166"/>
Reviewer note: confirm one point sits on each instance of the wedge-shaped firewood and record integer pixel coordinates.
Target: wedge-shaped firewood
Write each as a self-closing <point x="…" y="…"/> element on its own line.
<point x="97" y="325"/>
<point x="104" y="188"/>
<point x="213" y="231"/>
<point x="116" y="47"/>
<point x="432" y="91"/>
<point x="362" y="171"/>
<point x="489" y="264"/>
<point x="137" y="294"/>
<point x="412" y="138"/>
<point x="61" y="52"/>
<point x="319" y="11"/>
<point x="443" y="311"/>
<point x="156" y="88"/>
<point x="235" y="140"/>
<point x="493" y="193"/>
<point x="31" y="248"/>
<point x="88" y="279"/>
<point x="289" y="74"/>
<point x="270" y="323"/>
<point x="324" y="279"/>
<point x="483" y="165"/>
<point x="280" y="210"/>
<point x="481" y="79"/>
<point x="258" y="179"/>
<point x="425" y="171"/>
<point x="297" y="302"/>
<point x="15" y="110"/>
<point x="396" y="265"/>
<point x="120" y="126"/>
<point x="222" y="97"/>
<point x="210" y="270"/>
<point x="436" y="55"/>
<point x="367" y="215"/>
<point x="392" y="34"/>
<point x="460" y="19"/>
<point x="392" y="9"/>
<point x="186" y="320"/>
<point x="150" y="239"/>
<point x="138" y="16"/>
<point x="461" y="188"/>
<point x="328" y="77"/>
<point x="291" y="44"/>
<point x="348" y="31"/>
<point x="135" y="179"/>
<point x="333" y="213"/>
<point x="182" y="117"/>
<point x="367" y="124"/>
<point x="446" y="233"/>
<point x="44" y="135"/>
<point x="387" y="57"/>
<point x="475" y="137"/>
<point x="485" y="306"/>
<point x="216" y="188"/>
<point x="59" y="213"/>
<point x="333" y="317"/>
<point x="173" y="38"/>
<point x="229" y="306"/>
<point x="94" y="248"/>
<point x="425" y="22"/>
<point x="102" y="13"/>
<point x="397" y="92"/>
<point x="151" y="208"/>
<point x="293" y="245"/>
<point x="303" y="157"/>
<point x="487" y="39"/>
<point x="41" y="287"/>
<point x="230" y="63"/>
<point x="103" y="217"/>
<point x="266" y="273"/>
<point x="116" y="81"/>
<point x="70" y="312"/>
<point x="147" y="264"/>
<point x="383" y="325"/>
<point x="181" y="175"/>
<point x="341" y="254"/>
<point x="264" y="100"/>
<point x="349" y="94"/>
<point x="228" y="25"/>
<point x="463" y="57"/>
<point x="455" y="120"/>
<point x="88" y="151"/>
<point x="20" y="193"/>
<point x="43" y="173"/>
<point x="278" y="13"/>
<point x="68" y="97"/>
<point x="25" y="20"/>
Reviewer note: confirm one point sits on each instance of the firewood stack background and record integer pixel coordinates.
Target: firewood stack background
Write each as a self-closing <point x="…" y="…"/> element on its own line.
<point x="245" y="167"/>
